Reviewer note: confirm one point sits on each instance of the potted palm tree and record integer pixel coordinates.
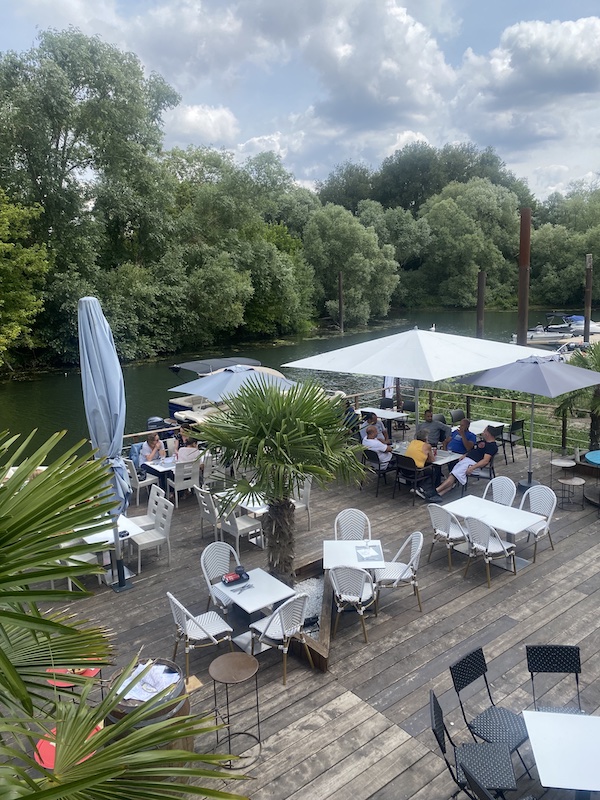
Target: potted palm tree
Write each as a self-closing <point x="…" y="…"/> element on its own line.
<point x="277" y="440"/>
<point x="42" y="516"/>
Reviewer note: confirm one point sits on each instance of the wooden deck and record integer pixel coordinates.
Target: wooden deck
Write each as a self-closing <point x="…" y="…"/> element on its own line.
<point x="361" y="730"/>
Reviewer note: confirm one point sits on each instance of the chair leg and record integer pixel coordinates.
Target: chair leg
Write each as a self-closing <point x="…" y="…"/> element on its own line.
<point x="308" y="655"/>
<point x="449" y="559"/>
<point x="467" y="567"/>
<point x="430" y="551"/>
<point x="364" y="627"/>
<point x="187" y="661"/>
<point x="550" y="540"/>
<point x="175" y="648"/>
<point x="284" y="667"/>
<point x="308" y="513"/>
<point x="487" y="574"/>
<point x="335" y="627"/>
<point x="416" y="588"/>
<point x="514" y="560"/>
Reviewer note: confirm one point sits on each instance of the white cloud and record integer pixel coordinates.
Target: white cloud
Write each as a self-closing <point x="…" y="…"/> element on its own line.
<point x="201" y="124"/>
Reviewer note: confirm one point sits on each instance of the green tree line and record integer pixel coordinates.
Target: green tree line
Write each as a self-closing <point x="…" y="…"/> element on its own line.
<point x="189" y="248"/>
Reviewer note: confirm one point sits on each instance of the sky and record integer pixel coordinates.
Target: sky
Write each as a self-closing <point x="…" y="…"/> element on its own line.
<point x="321" y="82"/>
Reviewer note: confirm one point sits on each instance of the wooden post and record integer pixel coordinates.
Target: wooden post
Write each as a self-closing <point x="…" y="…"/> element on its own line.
<point x="481" y="279"/>
<point x="563" y="433"/>
<point x="589" y="274"/>
<point x="524" y="255"/>
<point x="468" y="414"/>
<point x="341" y="300"/>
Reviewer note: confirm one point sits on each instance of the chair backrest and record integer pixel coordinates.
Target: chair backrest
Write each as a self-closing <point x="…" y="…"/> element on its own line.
<point x="164" y="515"/>
<point x="169" y="445"/>
<point x="302" y="493"/>
<point x="478" y="791"/>
<point x="468" y="669"/>
<point x="496" y="431"/>
<point x="216" y="560"/>
<point x="409" y="405"/>
<point x="406" y="463"/>
<point x="501" y="489"/>
<point x="349" y="583"/>
<point x="442" y="520"/>
<point x="439" y="418"/>
<point x="131" y="471"/>
<point x="183" y="618"/>
<point x="208" y="509"/>
<point x="456" y="415"/>
<point x="540" y="500"/>
<point x="478" y="532"/>
<point x="437" y="721"/>
<point x="386" y="402"/>
<point x="135" y="452"/>
<point x="291" y="615"/>
<point x="487" y="472"/>
<point x="414" y="541"/>
<point x="351" y="523"/>
<point x="187" y="474"/>
<point x="372" y="458"/>
<point x="156" y="494"/>
<point x="553" y="658"/>
<point x="517" y="426"/>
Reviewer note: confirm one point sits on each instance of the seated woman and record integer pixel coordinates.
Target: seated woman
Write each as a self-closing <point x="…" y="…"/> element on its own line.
<point x="189" y="451"/>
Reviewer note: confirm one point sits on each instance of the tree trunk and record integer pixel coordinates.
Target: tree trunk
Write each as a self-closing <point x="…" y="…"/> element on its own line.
<point x="279" y="527"/>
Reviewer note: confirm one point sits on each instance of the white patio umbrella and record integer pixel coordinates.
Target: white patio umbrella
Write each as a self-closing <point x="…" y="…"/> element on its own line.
<point x="542" y="375"/>
<point x="418" y="356"/>
<point x="104" y="402"/>
<point x="228" y="382"/>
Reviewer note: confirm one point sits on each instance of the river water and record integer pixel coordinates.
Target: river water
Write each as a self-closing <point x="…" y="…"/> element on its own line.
<point x="54" y="402"/>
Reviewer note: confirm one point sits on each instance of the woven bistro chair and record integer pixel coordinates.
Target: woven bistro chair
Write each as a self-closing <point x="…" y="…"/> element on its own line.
<point x="351" y="524"/>
<point x="501" y="489"/>
<point x="397" y="572"/>
<point x="353" y="588"/>
<point x="203" y="630"/>
<point x="485" y="541"/>
<point x="217" y="559"/>
<point x="446" y="528"/>
<point x="540" y="500"/>
<point x="283" y="625"/>
<point x="554" y="658"/>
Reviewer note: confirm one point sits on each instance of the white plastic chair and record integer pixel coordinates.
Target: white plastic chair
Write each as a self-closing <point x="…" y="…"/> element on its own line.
<point x="501" y="489"/>
<point x="351" y="523"/>
<point x="446" y="528"/>
<point x="539" y="500"/>
<point x="200" y="631"/>
<point x="485" y="541"/>
<point x="169" y="445"/>
<point x="216" y="560"/>
<point x="397" y="572"/>
<point x="208" y="511"/>
<point x="186" y="476"/>
<point x="244" y="525"/>
<point x="148" y="520"/>
<point x="283" y="625"/>
<point x="301" y="498"/>
<point x="158" y="535"/>
<point x="138" y="483"/>
<point x="353" y="588"/>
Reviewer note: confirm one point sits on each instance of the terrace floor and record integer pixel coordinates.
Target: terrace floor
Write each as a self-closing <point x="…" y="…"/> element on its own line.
<point x="361" y="730"/>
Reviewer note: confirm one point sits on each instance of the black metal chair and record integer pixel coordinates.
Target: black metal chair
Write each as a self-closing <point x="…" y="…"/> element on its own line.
<point x="439" y="417"/>
<point x="409" y="406"/>
<point x="512" y="436"/>
<point x="478" y="791"/>
<point x="386" y="402"/>
<point x="554" y="658"/>
<point x="374" y="464"/>
<point x="410" y="474"/>
<point x="490" y="763"/>
<point x="498" y="434"/>
<point x="456" y="415"/>
<point x="481" y="473"/>
<point x="495" y="724"/>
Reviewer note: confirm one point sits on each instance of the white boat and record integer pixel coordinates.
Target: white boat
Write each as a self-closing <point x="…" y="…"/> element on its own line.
<point x="554" y="333"/>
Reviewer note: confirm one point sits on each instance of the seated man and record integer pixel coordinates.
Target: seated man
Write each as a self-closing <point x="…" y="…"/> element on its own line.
<point x="421" y="453"/>
<point x="383" y="450"/>
<point x="372" y="419"/>
<point x="437" y="431"/>
<point x="480" y="456"/>
<point x="461" y="440"/>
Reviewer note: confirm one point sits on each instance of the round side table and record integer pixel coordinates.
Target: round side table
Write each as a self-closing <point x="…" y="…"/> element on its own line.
<point x="562" y="463"/>
<point x="229" y="670"/>
<point x="568" y="487"/>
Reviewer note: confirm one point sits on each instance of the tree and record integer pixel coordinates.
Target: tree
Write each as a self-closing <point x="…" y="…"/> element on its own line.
<point x="22" y="267"/>
<point x="279" y="439"/>
<point x="42" y="517"/>
<point x="585" y="398"/>
<point x="347" y="185"/>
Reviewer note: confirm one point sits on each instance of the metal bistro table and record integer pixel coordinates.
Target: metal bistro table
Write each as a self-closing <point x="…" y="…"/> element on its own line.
<point x="511" y="521"/>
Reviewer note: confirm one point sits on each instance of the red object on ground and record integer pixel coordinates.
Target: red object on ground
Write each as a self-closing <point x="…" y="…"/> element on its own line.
<point x="87" y="673"/>
<point x="45" y="749"/>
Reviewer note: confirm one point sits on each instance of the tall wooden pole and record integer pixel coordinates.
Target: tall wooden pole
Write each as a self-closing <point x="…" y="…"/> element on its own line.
<point x="341" y="300"/>
<point x="524" y="255"/>
<point x="589" y="274"/>
<point x="481" y="279"/>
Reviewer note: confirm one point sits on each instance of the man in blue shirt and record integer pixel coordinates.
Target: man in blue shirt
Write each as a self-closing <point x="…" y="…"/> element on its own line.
<point x="461" y="440"/>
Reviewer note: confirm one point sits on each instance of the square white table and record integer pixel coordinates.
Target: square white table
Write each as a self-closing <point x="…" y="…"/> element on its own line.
<point x="511" y="521"/>
<point x="386" y="414"/>
<point x="107" y="536"/>
<point x="478" y="426"/>
<point x="442" y="456"/>
<point x="161" y="468"/>
<point x="565" y="748"/>
<point x="353" y="553"/>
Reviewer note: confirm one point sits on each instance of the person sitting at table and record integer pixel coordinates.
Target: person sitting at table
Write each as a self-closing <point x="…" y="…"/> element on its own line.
<point x="152" y="450"/>
<point x="422" y="454"/>
<point x="460" y="440"/>
<point x="480" y="456"/>
<point x="437" y="431"/>
<point x="372" y="419"/>
<point x="189" y="451"/>
<point x="372" y="442"/>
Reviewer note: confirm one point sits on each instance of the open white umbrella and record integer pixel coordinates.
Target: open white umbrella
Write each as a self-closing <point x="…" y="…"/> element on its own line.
<point x="228" y="382"/>
<point x="418" y="356"/>
<point x="104" y="401"/>
<point x="547" y="376"/>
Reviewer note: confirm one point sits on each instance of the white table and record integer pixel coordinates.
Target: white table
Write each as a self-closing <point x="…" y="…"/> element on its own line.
<point x="387" y="414"/>
<point x="259" y="591"/>
<point x="160" y="468"/>
<point x="353" y="553"/>
<point x="255" y="506"/>
<point x="511" y="521"/>
<point x="478" y="426"/>
<point x="107" y="536"/>
<point x="565" y="748"/>
<point x="442" y="456"/>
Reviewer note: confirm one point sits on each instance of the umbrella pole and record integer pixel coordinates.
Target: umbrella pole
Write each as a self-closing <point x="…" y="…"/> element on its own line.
<point x="121" y="584"/>
<point x="524" y="485"/>
<point x="416" y="404"/>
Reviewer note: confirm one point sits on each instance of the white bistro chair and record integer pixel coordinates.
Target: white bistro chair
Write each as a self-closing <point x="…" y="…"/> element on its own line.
<point x="397" y="572"/>
<point x="158" y="535"/>
<point x="138" y="483"/>
<point x="208" y="511"/>
<point x="501" y="490"/>
<point x="485" y="541"/>
<point x="351" y="523"/>
<point x="446" y="528"/>
<point x="245" y="525"/>
<point x="301" y="498"/>
<point x="148" y="520"/>
<point x="200" y="631"/>
<point x="186" y="476"/>
<point x="353" y="588"/>
<point x="539" y="500"/>
<point x="217" y="559"/>
<point x="280" y="627"/>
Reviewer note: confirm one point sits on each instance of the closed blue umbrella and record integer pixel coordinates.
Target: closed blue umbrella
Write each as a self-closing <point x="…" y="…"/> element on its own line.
<point x="104" y="402"/>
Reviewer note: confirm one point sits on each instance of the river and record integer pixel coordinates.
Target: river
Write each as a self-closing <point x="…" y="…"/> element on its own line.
<point x="54" y="402"/>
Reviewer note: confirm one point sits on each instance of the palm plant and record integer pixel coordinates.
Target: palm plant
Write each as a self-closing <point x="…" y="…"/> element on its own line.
<point x="41" y="520"/>
<point x="278" y="439"/>
<point x="586" y="398"/>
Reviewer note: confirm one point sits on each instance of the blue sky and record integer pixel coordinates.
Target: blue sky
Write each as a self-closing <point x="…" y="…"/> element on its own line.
<point x="323" y="81"/>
